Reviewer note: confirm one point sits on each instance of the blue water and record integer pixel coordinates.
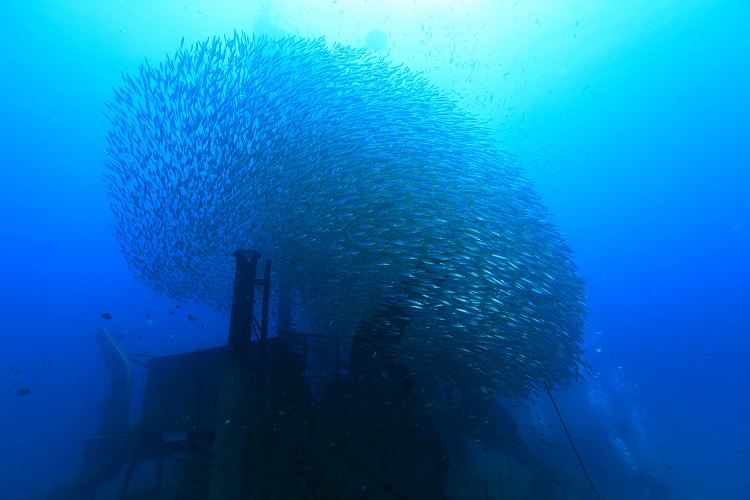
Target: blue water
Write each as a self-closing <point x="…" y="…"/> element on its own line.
<point x="633" y="123"/>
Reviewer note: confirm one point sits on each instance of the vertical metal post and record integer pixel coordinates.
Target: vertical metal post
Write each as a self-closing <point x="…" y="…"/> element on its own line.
<point x="266" y="300"/>
<point x="337" y="380"/>
<point x="234" y="468"/>
<point x="262" y="362"/>
<point x="241" y="319"/>
<point x="304" y="351"/>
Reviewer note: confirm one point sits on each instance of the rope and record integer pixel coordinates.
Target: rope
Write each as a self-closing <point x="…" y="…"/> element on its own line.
<point x="572" y="445"/>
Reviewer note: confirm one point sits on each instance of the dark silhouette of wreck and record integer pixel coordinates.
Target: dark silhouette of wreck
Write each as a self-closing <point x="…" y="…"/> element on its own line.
<point x="252" y="419"/>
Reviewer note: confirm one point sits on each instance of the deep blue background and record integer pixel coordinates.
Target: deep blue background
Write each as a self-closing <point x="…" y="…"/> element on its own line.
<point x="634" y="125"/>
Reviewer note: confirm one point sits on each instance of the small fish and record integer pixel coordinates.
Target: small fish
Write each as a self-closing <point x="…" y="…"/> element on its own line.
<point x="23" y="391"/>
<point x="191" y="318"/>
<point x="498" y="272"/>
<point x="105" y="316"/>
<point x="186" y="418"/>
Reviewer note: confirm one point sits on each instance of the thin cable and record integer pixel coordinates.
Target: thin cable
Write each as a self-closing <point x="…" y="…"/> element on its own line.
<point x="572" y="445"/>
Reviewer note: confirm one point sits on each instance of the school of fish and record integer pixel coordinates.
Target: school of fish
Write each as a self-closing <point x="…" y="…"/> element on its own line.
<point x="361" y="181"/>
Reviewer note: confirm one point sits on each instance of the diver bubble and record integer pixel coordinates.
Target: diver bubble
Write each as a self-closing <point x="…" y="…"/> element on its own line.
<point x="376" y="40"/>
